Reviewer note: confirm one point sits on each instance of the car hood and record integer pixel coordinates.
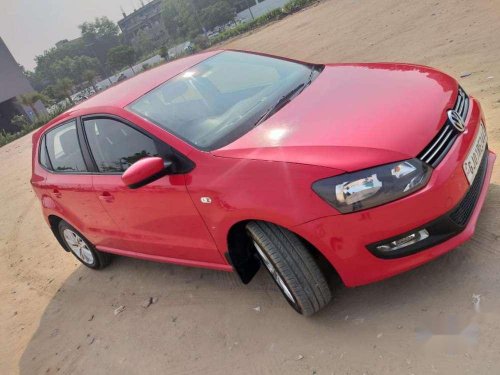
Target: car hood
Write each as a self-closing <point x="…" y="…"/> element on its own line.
<point x="354" y="116"/>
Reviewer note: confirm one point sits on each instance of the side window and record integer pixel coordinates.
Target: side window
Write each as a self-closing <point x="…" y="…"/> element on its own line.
<point x="64" y="150"/>
<point x="44" y="159"/>
<point x="116" y="146"/>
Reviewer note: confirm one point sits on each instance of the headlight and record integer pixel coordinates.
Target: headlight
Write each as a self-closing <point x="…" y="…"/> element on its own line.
<point x="375" y="186"/>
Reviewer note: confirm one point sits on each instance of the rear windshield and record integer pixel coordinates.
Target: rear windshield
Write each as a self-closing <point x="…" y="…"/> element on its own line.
<point x="217" y="101"/>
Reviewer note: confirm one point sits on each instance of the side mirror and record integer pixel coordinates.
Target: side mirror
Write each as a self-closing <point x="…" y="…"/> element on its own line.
<point x="145" y="171"/>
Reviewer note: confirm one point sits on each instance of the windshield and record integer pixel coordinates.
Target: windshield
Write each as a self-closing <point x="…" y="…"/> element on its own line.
<point x="220" y="99"/>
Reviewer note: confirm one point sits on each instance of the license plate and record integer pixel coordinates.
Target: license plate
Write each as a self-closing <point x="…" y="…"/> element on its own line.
<point x="475" y="156"/>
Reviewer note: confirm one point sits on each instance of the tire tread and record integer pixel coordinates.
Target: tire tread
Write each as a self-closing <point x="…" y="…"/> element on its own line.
<point x="294" y="263"/>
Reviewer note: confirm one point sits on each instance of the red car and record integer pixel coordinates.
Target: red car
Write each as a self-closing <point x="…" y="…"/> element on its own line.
<point x="229" y="159"/>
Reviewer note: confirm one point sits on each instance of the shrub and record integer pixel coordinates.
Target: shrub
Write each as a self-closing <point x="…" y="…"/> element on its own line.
<point x="273" y="15"/>
<point x="25" y="126"/>
<point x="295" y="5"/>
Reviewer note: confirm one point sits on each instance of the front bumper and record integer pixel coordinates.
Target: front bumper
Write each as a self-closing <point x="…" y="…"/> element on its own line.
<point x="343" y="239"/>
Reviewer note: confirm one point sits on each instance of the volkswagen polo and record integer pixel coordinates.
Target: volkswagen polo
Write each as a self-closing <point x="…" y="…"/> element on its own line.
<point x="230" y="160"/>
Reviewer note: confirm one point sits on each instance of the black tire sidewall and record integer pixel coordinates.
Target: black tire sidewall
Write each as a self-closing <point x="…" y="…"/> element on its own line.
<point x="294" y="305"/>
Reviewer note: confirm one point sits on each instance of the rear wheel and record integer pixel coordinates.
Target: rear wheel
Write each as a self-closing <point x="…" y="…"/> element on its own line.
<point x="291" y="266"/>
<point x="81" y="248"/>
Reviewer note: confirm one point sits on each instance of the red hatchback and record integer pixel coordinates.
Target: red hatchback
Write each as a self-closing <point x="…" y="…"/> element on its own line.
<point x="229" y="160"/>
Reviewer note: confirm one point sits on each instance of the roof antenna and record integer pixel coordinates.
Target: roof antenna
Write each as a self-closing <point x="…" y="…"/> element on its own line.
<point x="123" y="12"/>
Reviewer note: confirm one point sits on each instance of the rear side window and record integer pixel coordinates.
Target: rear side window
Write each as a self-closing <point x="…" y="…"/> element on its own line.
<point x="44" y="159"/>
<point x="63" y="149"/>
<point x="116" y="146"/>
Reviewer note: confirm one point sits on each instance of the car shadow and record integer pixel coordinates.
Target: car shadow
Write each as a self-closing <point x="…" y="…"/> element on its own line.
<point x="98" y="322"/>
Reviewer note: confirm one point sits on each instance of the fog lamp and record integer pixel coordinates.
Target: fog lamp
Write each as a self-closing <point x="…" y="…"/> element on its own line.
<point x="405" y="241"/>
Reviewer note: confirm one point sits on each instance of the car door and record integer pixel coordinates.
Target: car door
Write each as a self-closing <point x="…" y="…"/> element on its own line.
<point x="159" y="219"/>
<point x="69" y="183"/>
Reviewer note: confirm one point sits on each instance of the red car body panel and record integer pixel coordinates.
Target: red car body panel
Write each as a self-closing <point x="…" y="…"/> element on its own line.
<point x="353" y="116"/>
<point x="344" y="118"/>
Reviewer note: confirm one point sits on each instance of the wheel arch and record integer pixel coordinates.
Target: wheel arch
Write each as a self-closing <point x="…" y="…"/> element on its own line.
<point x="54" y="221"/>
<point x="240" y="251"/>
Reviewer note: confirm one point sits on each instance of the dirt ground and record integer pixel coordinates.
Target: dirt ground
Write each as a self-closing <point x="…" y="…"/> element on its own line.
<point x="56" y="316"/>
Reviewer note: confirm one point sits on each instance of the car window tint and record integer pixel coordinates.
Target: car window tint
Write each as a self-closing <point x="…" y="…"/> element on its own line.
<point x="116" y="146"/>
<point x="64" y="149"/>
<point x="44" y="159"/>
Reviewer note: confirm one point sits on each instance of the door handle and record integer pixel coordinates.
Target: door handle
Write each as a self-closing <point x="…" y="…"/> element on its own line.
<point x="106" y="197"/>
<point x="57" y="193"/>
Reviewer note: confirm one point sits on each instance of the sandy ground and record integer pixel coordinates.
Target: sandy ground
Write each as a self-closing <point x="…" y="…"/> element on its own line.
<point x="56" y="316"/>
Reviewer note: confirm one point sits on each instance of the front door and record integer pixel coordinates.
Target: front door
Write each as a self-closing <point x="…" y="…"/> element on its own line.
<point x="158" y="219"/>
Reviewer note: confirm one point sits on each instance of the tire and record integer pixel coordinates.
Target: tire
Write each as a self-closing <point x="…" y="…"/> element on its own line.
<point x="291" y="265"/>
<point x="81" y="248"/>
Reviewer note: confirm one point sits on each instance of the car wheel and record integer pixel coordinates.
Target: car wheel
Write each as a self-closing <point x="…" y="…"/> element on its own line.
<point x="81" y="248"/>
<point x="291" y="265"/>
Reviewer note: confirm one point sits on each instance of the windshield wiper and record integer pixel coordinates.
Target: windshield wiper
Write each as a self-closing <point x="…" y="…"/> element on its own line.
<point x="281" y="103"/>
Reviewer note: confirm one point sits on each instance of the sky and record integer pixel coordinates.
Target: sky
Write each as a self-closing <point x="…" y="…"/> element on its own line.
<point x="29" y="27"/>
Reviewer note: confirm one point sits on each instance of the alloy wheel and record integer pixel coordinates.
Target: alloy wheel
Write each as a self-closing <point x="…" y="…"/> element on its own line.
<point x="78" y="246"/>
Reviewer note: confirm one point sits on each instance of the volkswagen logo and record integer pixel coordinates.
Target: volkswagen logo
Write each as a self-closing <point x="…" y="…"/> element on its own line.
<point x="456" y="121"/>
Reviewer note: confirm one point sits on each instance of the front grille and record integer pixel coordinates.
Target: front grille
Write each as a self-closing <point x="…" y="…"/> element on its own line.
<point x="462" y="212"/>
<point x="462" y="104"/>
<point x="442" y="142"/>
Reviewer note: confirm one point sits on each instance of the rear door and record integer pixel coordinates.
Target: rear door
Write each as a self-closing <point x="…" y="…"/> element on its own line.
<point x="159" y="219"/>
<point x="69" y="183"/>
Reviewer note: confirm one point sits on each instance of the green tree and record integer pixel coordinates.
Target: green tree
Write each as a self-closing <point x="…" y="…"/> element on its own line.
<point x="99" y="37"/>
<point x="188" y="18"/>
<point x="164" y="52"/>
<point x="51" y="92"/>
<point x="81" y="64"/>
<point x="143" y="44"/>
<point x="218" y="13"/>
<point x="64" y="87"/>
<point x="121" y="56"/>
<point x="44" y="73"/>
<point x="30" y="100"/>
<point x="90" y="76"/>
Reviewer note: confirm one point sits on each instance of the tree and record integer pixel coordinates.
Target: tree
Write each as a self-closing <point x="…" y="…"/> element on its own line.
<point x="89" y="76"/>
<point x="44" y="73"/>
<point x="164" y="52"/>
<point x="30" y="100"/>
<point x="217" y="14"/>
<point x="63" y="87"/>
<point x="51" y="92"/>
<point x="121" y="56"/>
<point x="99" y="37"/>
<point x="71" y="58"/>
<point x="81" y="64"/>
<point x="143" y="43"/>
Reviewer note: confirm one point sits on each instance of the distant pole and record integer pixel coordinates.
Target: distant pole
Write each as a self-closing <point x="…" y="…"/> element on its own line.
<point x="250" y="9"/>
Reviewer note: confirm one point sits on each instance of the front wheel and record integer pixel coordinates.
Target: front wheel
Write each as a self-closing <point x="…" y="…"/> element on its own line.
<point x="291" y="265"/>
<point x="81" y="248"/>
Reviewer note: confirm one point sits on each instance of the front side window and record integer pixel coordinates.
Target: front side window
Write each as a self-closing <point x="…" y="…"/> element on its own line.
<point x="116" y="146"/>
<point x="63" y="149"/>
<point x="221" y="98"/>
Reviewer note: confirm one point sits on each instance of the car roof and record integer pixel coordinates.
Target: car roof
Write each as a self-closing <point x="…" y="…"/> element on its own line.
<point x="124" y="93"/>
